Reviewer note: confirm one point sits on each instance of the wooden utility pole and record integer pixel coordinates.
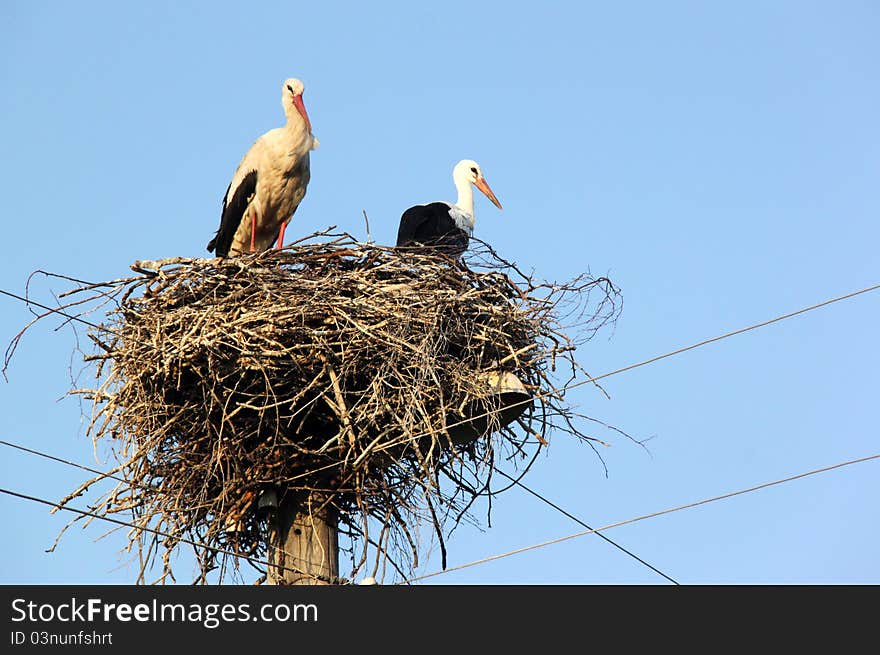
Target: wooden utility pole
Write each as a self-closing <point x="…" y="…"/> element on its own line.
<point x="303" y="542"/>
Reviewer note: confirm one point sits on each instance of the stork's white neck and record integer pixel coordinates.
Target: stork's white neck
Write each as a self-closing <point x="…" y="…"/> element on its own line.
<point x="465" y="200"/>
<point x="295" y="122"/>
<point x="297" y="130"/>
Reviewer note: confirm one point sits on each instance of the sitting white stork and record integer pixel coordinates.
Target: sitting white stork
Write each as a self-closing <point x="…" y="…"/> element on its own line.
<point x="442" y="225"/>
<point x="269" y="183"/>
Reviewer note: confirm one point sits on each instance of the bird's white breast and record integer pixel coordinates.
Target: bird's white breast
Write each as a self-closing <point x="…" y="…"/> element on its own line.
<point x="463" y="220"/>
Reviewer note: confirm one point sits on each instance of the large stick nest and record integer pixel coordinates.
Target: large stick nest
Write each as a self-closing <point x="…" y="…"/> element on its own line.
<point x="332" y="369"/>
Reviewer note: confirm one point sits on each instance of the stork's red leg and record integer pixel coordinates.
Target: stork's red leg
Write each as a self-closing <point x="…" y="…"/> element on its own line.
<point x="281" y="235"/>
<point x="253" y="231"/>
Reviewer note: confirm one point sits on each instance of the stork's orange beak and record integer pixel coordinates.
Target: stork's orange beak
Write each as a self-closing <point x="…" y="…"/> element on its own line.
<point x="483" y="186"/>
<point x="301" y="108"/>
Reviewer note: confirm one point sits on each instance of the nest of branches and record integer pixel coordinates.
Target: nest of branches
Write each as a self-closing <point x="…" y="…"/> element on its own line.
<point x="387" y="384"/>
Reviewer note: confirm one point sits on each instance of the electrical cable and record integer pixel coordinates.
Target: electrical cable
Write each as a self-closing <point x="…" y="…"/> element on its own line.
<point x="643" y="517"/>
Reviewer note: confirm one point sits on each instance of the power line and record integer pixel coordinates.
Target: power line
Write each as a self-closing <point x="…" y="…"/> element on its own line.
<point x="643" y="517"/>
<point x="731" y="334"/>
<point x="678" y="351"/>
<point x="55" y="310"/>
<point x="63" y="461"/>
<point x="577" y="520"/>
<point x="102" y="475"/>
<point x="160" y="533"/>
<point x="515" y="481"/>
<point x="597" y="531"/>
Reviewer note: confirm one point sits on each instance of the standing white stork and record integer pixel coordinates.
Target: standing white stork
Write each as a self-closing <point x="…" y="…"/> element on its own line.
<point x="269" y="183"/>
<point x="442" y="225"/>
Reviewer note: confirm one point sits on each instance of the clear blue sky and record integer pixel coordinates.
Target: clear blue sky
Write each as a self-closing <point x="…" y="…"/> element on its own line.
<point x="720" y="162"/>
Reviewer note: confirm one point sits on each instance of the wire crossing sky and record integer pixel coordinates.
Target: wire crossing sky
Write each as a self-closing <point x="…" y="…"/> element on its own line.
<point x="597" y="531"/>
<point x="717" y="162"/>
<point x="642" y="518"/>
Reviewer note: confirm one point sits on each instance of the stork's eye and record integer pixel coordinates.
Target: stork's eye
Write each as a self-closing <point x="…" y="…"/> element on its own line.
<point x="290" y="88"/>
<point x="474" y="171"/>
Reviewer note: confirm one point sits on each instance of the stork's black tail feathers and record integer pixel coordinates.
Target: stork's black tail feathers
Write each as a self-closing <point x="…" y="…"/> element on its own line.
<point x="232" y="214"/>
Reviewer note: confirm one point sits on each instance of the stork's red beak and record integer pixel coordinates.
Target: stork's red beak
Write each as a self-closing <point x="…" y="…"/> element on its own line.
<point x="301" y="108"/>
<point x="483" y="186"/>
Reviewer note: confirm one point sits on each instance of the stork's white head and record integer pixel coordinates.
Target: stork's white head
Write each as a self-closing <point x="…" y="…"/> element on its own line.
<point x="468" y="171"/>
<point x="291" y="98"/>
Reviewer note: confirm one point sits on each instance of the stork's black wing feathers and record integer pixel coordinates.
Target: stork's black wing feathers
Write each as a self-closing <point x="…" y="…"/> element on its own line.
<point x="232" y="213"/>
<point x="432" y="226"/>
<point x="410" y="223"/>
